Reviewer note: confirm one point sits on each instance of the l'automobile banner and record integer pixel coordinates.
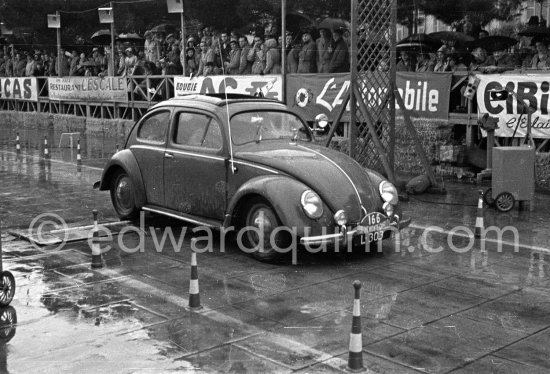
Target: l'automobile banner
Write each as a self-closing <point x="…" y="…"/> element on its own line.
<point x="88" y="88"/>
<point x="532" y="89"/>
<point x="271" y="86"/>
<point x="424" y="95"/>
<point x="19" y="88"/>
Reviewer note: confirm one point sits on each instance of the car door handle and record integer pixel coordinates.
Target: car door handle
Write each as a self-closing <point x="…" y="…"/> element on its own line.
<point x="168" y="155"/>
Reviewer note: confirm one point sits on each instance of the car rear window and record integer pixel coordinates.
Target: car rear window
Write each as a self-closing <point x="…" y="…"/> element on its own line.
<point x="267" y="125"/>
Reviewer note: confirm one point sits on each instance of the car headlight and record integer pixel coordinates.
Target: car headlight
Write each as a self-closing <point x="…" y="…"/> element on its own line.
<point x="388" y="192"/>
<point x="340" y="217"/>
<point x="312" y="204"/>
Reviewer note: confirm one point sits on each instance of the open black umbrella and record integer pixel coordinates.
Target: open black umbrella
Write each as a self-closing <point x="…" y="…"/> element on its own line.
<point x="164" y="28"/>
<point x="333" y="24"/>
<point x="493" y="43"/>
<point x="296" y="21"/>
<point x="419" y="42"/>
<point x="451" y="36"/>
<point x="131" y="37"/>
<point x="535" y="31"/>
<point x="102" y="37"/>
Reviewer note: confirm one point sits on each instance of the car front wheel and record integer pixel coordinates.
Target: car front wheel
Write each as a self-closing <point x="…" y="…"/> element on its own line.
<point x="260" y="237"/>
<point x="123" y="197"/>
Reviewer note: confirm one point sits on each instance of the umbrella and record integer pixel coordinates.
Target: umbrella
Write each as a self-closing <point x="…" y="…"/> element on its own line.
<point x="419" y="42"/>
<point x="131" y="37"/>
<point x="333" y="24"/>
<point x="164" y="27"/>
<point x="451" y="36"/>
<point x="535" y="31"/>
<point x="296" y="21"/>
<point x="102" y="37"/>
<point x="493" y="43"/>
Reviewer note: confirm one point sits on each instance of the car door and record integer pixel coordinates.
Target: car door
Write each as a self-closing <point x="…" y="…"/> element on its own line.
<point x="148" y="149"/>
<point x="195" y="166"/>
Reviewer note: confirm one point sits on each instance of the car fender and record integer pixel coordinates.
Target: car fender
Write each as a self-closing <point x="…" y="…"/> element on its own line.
<point x="283" y="193"/>
<point x="125" y="160"/>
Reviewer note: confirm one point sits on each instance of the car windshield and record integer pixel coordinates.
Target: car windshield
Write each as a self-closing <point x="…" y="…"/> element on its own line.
<point x="259" y="126"/>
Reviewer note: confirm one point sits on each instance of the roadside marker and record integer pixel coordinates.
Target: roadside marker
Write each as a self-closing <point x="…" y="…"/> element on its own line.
<point x="78" y="157"/>
<point x="194" y="295"/>
<point x="46" y="150"/>
<point x="479" y="218"/>
<point x="17" y="144"/>
<point x="96" y="251"/>
<point x="355" y="360"/>
<point x="116" y="148"/>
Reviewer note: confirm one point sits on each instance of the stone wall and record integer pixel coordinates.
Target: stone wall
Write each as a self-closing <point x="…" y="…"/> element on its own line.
<point x="118" y="128"/>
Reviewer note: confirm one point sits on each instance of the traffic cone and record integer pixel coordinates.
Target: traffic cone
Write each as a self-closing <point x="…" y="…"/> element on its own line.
<point x="479" y="218"/>
<point x="355" y="360"/>
<point x="194" y="295"/>
<point x="46" y="150"/>
<point x="17" y="144"/>
<point x="96" y="250"/>
<point x="78" y="157"/>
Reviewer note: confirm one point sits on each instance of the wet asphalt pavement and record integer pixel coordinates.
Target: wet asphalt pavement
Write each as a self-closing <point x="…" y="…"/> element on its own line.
<point x="422" y="310"/>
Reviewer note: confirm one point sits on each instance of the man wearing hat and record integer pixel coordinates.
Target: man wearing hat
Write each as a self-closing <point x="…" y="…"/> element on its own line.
<point x="234" y="59"/>
<point x="441" y="59"/>
<point x="307" y="55"/>
<point x="150" y="47"/>
<point x="339" y="62"/>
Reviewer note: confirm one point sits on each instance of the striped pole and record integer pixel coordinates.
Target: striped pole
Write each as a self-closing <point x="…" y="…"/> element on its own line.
<point x="96" y="250"/>
<point x="355" y="360"/>
<point x="479" y="218"/>
<point x="78" y="157"/>
<point x="46" y="150"/>
<point x="17" y="144"/>
<point x="194" y="296"/>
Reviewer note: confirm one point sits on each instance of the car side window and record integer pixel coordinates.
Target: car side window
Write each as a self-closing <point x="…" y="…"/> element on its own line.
<point x="198" y="130"/>
<point x="153" y="129"/>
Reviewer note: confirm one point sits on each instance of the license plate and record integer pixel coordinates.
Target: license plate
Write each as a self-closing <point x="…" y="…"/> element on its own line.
<point x="373" y="227"/>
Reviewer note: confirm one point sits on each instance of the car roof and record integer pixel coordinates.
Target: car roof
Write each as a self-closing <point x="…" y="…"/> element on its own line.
<point x="219" y="100"/>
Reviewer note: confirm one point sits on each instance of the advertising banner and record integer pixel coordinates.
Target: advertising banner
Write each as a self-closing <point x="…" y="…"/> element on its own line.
<point x="19" y="88"/>
<point x="271" y="86"/>
<point x="424" y="95"/>
<point x="531" y="89"/>
<point x="88" y="88"/>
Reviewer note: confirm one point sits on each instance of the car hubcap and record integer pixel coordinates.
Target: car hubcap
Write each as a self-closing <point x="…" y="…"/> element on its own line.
<point x="264" y="223"/>
<point x="124" y="193"/>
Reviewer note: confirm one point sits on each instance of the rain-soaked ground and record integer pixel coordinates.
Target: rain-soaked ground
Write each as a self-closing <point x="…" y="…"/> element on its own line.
<point x="425" y="307"/>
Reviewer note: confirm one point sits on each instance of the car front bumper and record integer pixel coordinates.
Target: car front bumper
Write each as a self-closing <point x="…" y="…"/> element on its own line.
<point x="346" y="235"/>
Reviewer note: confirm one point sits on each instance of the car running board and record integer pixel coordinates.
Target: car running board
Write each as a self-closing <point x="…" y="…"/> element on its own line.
<point x="200" y="221"/>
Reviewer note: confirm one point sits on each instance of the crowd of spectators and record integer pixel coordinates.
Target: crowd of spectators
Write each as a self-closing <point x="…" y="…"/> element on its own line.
<point x="209" y="52"/>
<point x="528" y="53"/>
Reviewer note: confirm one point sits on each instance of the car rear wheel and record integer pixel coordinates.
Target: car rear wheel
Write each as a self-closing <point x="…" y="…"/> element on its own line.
<point x="123" y="196"/>
<point x="259" y="237"/>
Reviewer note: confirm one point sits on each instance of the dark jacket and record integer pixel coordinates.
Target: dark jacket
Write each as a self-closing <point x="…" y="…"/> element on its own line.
<point x="339" y="62"/>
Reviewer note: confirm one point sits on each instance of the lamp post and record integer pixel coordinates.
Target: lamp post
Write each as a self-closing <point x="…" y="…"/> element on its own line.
<point x="54" y="22"/>
<point x="106" y="16"/>
<point x="176" y="6"/>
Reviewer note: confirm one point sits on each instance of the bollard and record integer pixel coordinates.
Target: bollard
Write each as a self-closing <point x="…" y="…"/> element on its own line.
<point x="116" y="148"/>
<point x="17" y="144"/>
<point x="78" y="156"/>
<point x="479" y="218"/>
<point x="46" y="150"/>
<point x="194" y="295"/>
<point x="96" y="250"/>
<point x="355" y="360"/>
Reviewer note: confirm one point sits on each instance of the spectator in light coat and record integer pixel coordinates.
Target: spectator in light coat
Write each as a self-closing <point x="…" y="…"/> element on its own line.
<point x="324" y="51"/>
<point x="150" y="47"/>
<point x="272" y="57"/>
<point x="234" y="59"/>
<point x="257" y="55"/>
<point x="245" y="66"/>
<point x="307" y="55"/>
